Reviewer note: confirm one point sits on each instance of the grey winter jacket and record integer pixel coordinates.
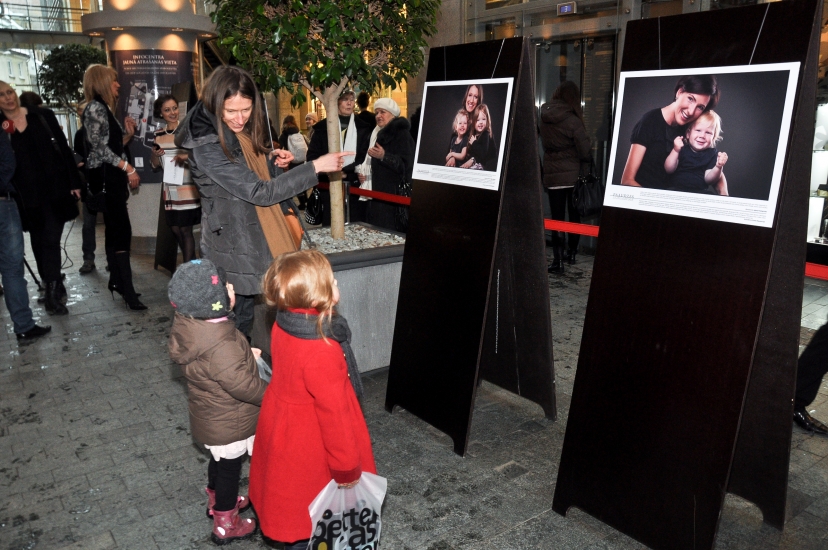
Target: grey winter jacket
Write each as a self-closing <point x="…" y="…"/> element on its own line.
<point x="230" y="232"/>
<point x="224" y="390"/>
<point x="565" y="144"/>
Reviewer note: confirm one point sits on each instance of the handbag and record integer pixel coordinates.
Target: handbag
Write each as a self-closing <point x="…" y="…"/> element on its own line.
<point x="332" y="507"/>
<point x="315" y="208"/>
<point x="401" y="211"/>
<point x="588" y="194"/>
<point x="96" y="202"/>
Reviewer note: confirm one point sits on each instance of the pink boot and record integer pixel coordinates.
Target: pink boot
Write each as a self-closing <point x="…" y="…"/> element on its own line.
<point x="242" y="502"/>
<point x="228" y="526"/>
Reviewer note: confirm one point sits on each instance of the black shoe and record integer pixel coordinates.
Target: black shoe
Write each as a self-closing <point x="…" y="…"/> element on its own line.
<point x="556" y="266"/>
<point x="34" y="332"/>
<point x="113" y="288"/>
<point x="570" y="257"/>
<point x="809" y="423"/>
<point x="53" y="303"/>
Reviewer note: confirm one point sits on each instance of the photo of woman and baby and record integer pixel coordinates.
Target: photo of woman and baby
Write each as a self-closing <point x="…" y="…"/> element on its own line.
<point x="461" y="126"/>
<point x="713" y="134"/>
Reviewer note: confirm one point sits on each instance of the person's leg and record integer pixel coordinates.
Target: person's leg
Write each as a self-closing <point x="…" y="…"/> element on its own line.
<point x="557" y="207"/>
<point x="88" y="234"/>
<point x="811" y="368"/>
<point x="574" y="217"/>
<point x="187" y="243"/>
<point x="244" y="313"/>
<point x="228" y="473"/>
<point x="11" y="267"/>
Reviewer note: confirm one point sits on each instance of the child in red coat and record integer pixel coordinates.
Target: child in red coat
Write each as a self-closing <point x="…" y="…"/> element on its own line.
<point x="311" y="428"/>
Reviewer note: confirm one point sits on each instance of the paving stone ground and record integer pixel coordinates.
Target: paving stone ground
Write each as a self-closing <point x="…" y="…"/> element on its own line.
<point x="96" y="452"/>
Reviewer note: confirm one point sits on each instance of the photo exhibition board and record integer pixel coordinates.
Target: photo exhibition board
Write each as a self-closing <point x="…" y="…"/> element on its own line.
<point x="451" y="122"/>
<point x="692" y="324"/>
<point x="752" y="120"/>
<point x="468" y="246"/>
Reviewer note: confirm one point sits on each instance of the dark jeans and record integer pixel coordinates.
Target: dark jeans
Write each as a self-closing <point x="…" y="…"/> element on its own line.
<point x="88" y="233"/>
<point x="811" y="367"/>
<point x="560" y="202"/>
<point x="244" y="313"/>
<point x="223" y="477"/>
<point x="11" y="267"/>
<point x="45" y="242"/>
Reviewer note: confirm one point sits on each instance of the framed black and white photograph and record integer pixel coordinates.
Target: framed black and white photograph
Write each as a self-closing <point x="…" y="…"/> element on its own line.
<point x="462" y="132"/>
<point x="705" y="143"/>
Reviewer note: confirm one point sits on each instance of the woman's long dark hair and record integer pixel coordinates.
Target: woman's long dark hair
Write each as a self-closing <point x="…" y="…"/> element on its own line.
<point x="226" y="82"/>
<point x="569" y="93"/>
<point x="705" y="84"/>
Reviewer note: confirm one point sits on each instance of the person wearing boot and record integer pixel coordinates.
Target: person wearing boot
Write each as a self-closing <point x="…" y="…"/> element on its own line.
<point x="47" y="183"/>
<point x="565" y="146"/>
<point x="811" y="367"/>
<point x="111" y="174"/>
<point x="223" y="387"/>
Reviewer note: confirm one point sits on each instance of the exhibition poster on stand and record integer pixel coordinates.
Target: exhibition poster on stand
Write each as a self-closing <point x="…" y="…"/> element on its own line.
<point x="447" y="126"/>
<point x="753" y="118"/>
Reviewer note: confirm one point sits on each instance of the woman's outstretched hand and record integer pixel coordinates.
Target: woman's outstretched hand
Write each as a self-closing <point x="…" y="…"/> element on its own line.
<point x="282" y="158"/>
<point x="332" y="162"/>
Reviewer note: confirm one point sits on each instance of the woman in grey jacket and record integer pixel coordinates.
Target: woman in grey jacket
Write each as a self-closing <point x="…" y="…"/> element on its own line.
<point x="229" y="114"/>
<point x="565" y="146"/>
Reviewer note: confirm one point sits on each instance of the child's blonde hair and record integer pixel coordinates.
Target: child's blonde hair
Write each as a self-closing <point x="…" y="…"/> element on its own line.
<point x="483" y="108"/>
<point x="301" y="280"/>
<point x="710" y="117"/>
<point x="461" y="112"/>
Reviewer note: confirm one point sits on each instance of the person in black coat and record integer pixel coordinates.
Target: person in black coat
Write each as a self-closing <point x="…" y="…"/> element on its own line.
<point x="811" y="368"/>
<point x="46" y="181"/>
<point x="391" y="159"/>
<point x="319" y="146"/>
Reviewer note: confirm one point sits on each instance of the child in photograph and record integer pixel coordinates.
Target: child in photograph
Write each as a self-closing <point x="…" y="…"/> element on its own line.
<point x="223" y="387"/>
<point x="482" y="149"/>
<point x="311" y="428"/>
<point x="459" y="139"/>
<point x="694" y="165"/>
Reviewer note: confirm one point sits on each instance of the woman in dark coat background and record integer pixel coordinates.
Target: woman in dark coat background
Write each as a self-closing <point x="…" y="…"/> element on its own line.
<point x="565" y="146"/>
<point x="391" y="158"/>
<point x="45" y="180"/>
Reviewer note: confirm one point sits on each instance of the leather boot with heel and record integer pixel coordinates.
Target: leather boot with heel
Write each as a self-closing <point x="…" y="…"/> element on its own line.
<point x="124" y="282"/>
<point x="53" y="303"/>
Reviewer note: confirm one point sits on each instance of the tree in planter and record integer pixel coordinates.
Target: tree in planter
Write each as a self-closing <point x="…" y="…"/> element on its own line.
<point x="323" y="46"/>
<point x="61" y="75"/>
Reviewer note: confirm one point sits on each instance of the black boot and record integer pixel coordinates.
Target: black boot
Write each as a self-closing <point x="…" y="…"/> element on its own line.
<point x="112" y="286"/>
<point x="125" y="282"/>
<point x="53" y="304"/>
<point x="570" y="256"/>
<point x="557" y="265"/>
<point x="62" y="292"/>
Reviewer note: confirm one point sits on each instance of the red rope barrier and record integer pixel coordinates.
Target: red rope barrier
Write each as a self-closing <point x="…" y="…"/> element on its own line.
<point x="816" y="271"/>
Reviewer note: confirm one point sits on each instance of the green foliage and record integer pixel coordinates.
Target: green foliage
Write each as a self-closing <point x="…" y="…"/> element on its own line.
<point x="61" y="75"/>
<point x="319" y="44"/>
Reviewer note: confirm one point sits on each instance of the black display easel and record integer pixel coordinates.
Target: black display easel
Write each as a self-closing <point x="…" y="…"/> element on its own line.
<point x="688" y="358"/>
<point x="474" y="295"/>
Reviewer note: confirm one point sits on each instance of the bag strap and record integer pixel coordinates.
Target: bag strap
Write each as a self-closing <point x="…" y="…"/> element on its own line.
<point x="51" y="135"/>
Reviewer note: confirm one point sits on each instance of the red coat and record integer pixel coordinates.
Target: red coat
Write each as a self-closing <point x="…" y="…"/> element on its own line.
<point x="311" y="429"/>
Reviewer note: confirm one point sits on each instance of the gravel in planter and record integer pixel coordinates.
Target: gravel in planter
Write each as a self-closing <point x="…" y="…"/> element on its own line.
<point x="357" y="237"/>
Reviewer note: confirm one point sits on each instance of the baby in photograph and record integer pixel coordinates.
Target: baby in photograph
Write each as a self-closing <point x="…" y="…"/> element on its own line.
<point x="459" y="139"/>
<point x="694" y="165"/>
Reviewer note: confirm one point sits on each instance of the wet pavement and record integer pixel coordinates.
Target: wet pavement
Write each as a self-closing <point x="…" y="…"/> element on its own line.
<point x="96" y="452"/>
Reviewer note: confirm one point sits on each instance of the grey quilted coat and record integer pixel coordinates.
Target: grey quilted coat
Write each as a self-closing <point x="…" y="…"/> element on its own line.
<point x="565" y="144"/>
<point x="230" y="232"/>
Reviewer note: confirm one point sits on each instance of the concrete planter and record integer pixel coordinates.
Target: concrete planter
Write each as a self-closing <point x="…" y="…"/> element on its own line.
<point x="369" y="282"/>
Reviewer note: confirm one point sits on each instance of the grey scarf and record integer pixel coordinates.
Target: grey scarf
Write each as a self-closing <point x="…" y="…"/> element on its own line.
<point x="303" y="326"/>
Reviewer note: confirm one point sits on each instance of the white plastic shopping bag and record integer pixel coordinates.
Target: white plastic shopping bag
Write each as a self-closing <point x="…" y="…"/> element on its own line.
<point x="348" y="519"/>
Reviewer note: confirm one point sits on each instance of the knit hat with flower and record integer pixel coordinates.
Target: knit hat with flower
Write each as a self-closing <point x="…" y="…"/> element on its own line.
<point x="197" y="289"/>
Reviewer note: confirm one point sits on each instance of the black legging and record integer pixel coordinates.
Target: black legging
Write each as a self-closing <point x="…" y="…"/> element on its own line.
<point x="560" y="200"/>
<point x="223" y="477"/>
<point x="45" y="240"/>
<point x="186" y="241"/>
<point x="811" y="367"/>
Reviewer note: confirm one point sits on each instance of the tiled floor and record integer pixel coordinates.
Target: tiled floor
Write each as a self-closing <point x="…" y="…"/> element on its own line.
<point x="96" y="453"/>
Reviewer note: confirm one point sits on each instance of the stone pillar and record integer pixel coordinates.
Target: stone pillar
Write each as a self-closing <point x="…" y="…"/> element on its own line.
<point x="158" y="29"/>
